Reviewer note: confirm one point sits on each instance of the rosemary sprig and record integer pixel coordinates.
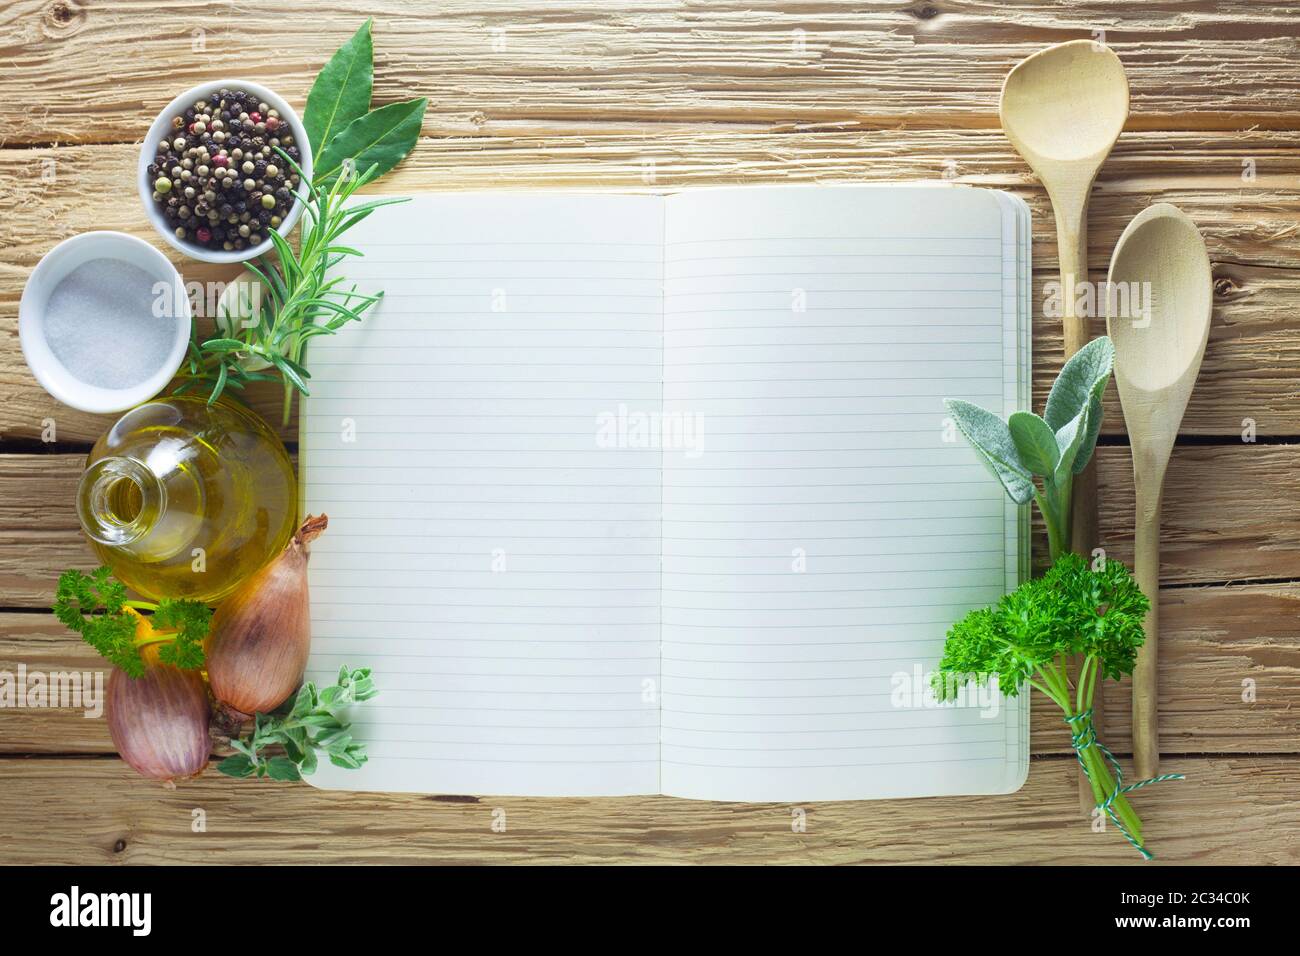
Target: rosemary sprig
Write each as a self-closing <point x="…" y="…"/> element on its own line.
<point x="300" y="297"/>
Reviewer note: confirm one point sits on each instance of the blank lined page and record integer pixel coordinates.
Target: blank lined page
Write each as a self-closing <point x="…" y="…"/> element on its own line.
<point x="821" y="535"/>
<point x="491" y="553"/>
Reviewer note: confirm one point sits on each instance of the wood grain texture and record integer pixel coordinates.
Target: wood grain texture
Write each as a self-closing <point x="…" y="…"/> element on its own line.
<point x="1220" y="645"/>
<point x="1230" y="514"/>
<point x="1195" y="64"/>
<point x="662" y="94"/>
<point x="1238" y="810"/>
<point x="1252" y="365"/>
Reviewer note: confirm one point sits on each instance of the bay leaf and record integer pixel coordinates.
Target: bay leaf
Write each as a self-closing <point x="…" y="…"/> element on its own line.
<point x="383" y="137"/>
<point x="342" y="89"/>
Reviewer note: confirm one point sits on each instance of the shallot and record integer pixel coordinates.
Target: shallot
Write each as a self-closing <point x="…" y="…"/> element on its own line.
<point x="159" y="721"/>
<point x="260" y="636"/>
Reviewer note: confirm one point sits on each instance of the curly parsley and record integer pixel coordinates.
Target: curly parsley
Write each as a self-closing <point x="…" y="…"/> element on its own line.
<point x="1031" y="636"/>
<point x="95" y="605"/>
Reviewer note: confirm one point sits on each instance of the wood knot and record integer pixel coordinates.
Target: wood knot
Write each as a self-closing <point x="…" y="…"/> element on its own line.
<point x="62" y="18"/>
<point x="119" y="846"/>
<point x="479" y="119"/>
<point x="925" y="12"/>
<point x="1225" y="286"/>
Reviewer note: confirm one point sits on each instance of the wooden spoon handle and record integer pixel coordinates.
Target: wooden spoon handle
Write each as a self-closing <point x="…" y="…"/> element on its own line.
<point x="1071" y="213"/>
<point x="1146" y="561"/>
<point x="1072" y="242"/>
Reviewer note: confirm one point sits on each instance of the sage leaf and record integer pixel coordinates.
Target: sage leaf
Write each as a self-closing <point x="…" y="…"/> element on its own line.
<point x="380" y="138"/>
<point x="1082" y="380"/>
<point x="1069" y="442"/>
<point x="1076" y="394"/>
<point x="342" y="89"/>
<point x="1035" y="442"/>
<point x="991" y="438"/>
<point x="1091" y="434"/>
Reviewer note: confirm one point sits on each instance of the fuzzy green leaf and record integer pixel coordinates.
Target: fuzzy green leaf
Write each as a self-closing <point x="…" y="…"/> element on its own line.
<point x="1083" y="377"/>
<point x="991" y="438"/>
<point x="1035" y="442"/>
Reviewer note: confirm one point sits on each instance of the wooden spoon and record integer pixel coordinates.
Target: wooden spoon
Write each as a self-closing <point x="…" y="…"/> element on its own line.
<point x="1063" y="108"/>
<point x="1160" y="261"/>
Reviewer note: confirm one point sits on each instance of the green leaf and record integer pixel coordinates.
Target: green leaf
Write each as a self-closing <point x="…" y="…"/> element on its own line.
<point x="1090" y="434"/>
<point x="289" y="372"/>
<point x="1069" y="443"/>
<point x="382" y="137"/>
<point x="220" y="386"/>
<point x="342" y="89"/>
<point x="309" y="762"/>
<point x="991" y="438"/>
<point x="282" y="768"/>
<point x="237" y="766"/>
<point x="322" y="721"/>
<point x="1035" y="442"/>
<point x="305" y="701"/>
<point x="345" y="760"/>
<point x="335" y="739"/>
<point x="1082" y="380"/>
<point x="224" y="345"/>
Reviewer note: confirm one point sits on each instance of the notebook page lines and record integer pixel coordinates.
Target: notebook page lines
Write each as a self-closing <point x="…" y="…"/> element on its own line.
<point x="491" y="553"/>
<point x="821" y="540"/>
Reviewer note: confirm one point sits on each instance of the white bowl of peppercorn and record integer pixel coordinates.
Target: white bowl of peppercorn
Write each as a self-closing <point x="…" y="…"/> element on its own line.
<point x="212" y="176"/>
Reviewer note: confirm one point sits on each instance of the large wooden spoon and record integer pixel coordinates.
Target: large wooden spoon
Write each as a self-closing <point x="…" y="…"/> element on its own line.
<point x="1063" y="108"/>
<point x="1161" y="263"/>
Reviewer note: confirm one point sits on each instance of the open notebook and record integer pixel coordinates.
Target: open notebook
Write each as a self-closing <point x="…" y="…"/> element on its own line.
<point x="653" y="494"/>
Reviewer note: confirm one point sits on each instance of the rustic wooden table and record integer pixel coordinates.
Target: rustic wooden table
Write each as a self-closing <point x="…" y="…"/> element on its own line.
<point x="543" y="93"/>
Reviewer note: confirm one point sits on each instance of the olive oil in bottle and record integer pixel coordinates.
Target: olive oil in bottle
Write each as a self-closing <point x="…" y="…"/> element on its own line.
<point x="184" y="500"/>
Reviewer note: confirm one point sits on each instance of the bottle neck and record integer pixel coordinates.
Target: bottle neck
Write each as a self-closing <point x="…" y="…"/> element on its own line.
<point x="119" y="501"/>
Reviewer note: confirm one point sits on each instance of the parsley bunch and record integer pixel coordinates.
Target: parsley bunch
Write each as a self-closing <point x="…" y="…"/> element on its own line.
<point x="295" y="733"/>
<point x="121" y="632"/>
<point x="1031" y="635"/>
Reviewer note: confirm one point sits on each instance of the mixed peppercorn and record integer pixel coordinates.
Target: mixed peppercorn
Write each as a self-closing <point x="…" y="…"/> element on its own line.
<point x="217" y="177"/>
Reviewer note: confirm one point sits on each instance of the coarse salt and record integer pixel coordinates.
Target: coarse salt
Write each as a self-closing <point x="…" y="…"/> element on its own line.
<point x="111" y="323"/>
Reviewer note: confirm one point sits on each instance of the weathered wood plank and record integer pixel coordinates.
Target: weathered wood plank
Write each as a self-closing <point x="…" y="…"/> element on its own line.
<point x="1191" y="64"/>
<point x="1218" y="646"/>
<point x="1253" y="231"/>
<point x="1239" y="810"/>
<point x="1230" y="514"/>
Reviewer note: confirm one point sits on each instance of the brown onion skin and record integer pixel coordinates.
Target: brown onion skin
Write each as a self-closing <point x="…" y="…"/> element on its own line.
<point x="159" y="722"/>
<point x="260" y="637"/>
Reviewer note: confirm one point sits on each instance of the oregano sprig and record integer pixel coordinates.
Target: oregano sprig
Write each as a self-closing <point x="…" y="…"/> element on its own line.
<point x="286" y="745"/>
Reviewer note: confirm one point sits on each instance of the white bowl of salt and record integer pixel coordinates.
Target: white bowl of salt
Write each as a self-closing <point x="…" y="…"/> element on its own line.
<point x="104" y="321"/>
